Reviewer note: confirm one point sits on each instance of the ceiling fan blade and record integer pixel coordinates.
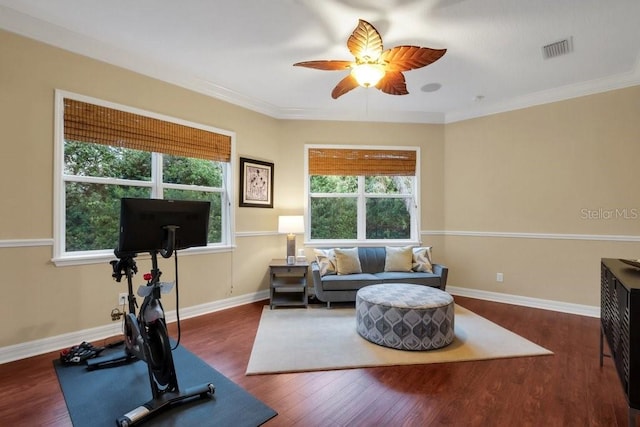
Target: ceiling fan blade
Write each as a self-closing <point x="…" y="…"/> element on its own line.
<point x="365" y="42"/>
<point x="327" y="65"/>
<point x="404" y="58"/>
<point x="344" y="86"/>
<point x="393" y="83"/>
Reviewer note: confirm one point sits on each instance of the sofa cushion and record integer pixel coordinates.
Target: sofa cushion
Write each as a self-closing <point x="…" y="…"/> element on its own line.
<point x="347" y="261"/>
<point x="348" y="282"/>
<point x="422" y="260"/>
<point x="371" y="258"/>
<point x="326" y="261"/>
<point x="415" y="278"/>
<point x="398" y="258"/>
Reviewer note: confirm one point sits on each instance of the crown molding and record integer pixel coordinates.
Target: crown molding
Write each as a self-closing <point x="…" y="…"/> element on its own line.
<point x="576" y="90"/>
<point x="57" y="36"/>
<point x="350" y="115"/>
<point x="54" y="35"/>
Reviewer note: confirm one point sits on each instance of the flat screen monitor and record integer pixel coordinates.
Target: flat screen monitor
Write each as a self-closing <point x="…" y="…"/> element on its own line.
<point x="144" y="224"/>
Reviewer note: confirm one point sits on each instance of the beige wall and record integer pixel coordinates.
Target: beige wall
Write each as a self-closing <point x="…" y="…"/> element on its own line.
<point x="528" y="171"/>
<point x="41" y="300"/>
<point x="553" y="170"/>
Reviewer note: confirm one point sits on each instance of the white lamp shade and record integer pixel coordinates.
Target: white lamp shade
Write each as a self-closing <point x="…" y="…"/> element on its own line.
<point x="290" y="224"/>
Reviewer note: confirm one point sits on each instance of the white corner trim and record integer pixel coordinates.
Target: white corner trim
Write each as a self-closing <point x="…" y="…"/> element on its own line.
<point x="563" y="307"/>
<point x="58" y="342"/>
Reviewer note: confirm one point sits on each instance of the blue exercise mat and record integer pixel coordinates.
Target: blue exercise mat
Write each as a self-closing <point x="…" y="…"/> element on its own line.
<point x="97" y="398"/>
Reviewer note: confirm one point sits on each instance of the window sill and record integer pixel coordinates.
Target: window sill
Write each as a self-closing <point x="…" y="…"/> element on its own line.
<point x="106" y="257"/>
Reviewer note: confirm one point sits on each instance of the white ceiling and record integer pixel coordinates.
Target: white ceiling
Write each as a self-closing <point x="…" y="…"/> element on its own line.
<point x="242" y="51"/>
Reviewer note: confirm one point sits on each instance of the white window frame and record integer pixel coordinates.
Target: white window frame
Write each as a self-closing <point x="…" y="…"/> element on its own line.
<point x="414" y="238"/>
<point x="62" y="257"/>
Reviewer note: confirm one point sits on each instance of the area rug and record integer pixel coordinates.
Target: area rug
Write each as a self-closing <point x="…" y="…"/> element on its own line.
<point x="312" y="339"/>
<point x="97" y="398"/>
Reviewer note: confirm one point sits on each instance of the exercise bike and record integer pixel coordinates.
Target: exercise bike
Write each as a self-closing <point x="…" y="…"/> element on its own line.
<point x="154" y="226"/>
<point x="146" y="339"/>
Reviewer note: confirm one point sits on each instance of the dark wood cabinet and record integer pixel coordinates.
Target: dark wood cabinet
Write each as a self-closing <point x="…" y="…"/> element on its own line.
<point x="620" y="325"/>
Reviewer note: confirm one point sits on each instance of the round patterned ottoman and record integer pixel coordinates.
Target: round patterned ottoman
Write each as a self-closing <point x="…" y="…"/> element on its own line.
<point x="404" y="316"/>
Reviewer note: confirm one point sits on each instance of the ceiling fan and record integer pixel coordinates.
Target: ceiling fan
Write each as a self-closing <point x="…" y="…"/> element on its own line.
<point x="372" y="65"/>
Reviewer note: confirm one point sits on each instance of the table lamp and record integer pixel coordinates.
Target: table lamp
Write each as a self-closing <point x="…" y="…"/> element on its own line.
<point x="290" y="225"/>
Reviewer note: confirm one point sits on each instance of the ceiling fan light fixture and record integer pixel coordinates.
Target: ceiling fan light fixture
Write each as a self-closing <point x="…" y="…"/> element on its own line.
<point x="374" y="66"/>
<point x="368" y="75"/>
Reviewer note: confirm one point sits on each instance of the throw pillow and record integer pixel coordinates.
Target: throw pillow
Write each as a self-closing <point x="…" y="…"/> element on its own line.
<point x="348" y="261"/>
<point x="398" y="259"/>
<point x="422" y="259"/>
<point x="326" y="261"/>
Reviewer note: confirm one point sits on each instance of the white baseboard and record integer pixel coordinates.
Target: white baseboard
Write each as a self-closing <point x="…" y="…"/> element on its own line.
<point x="46" y="345"/>
<point x="563" y="307"/>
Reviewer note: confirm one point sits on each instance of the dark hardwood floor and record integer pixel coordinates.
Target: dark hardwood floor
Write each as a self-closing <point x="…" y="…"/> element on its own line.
<point x="566" y="389"/>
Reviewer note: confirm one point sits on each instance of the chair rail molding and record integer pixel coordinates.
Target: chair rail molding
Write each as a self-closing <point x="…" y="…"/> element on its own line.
<point x="22" y="243"/>
<point x="521" y="235"/>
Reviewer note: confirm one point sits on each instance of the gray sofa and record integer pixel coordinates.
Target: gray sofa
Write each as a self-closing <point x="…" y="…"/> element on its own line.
<point x="343" y="288"/>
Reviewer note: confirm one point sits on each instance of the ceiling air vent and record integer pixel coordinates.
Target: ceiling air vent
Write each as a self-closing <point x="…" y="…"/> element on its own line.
<point x="558" y="48"/>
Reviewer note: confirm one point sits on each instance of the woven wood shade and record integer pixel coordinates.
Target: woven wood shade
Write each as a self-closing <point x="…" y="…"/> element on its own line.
<point x="340" y="161"/>
<point x="102" y="125"/>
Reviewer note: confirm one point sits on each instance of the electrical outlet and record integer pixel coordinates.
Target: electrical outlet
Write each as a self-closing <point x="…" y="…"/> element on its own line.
<point x="122" y="298"/>
<point x="499" y="277"/>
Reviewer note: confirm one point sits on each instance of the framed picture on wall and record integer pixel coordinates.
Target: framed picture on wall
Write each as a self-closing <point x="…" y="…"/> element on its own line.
<point x="256" y="183"/>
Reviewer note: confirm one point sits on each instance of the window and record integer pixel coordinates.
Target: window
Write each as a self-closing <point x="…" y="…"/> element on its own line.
<point x="105" y="152"/>
<point x="362" y="194"/>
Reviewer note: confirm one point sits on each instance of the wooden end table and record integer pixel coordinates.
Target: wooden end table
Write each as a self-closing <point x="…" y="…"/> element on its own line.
<point x="288" y="283"/>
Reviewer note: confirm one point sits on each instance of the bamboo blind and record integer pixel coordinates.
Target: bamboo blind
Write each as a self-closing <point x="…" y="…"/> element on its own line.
<point x="102" y="125"/>
<point x="340" y="161"/>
